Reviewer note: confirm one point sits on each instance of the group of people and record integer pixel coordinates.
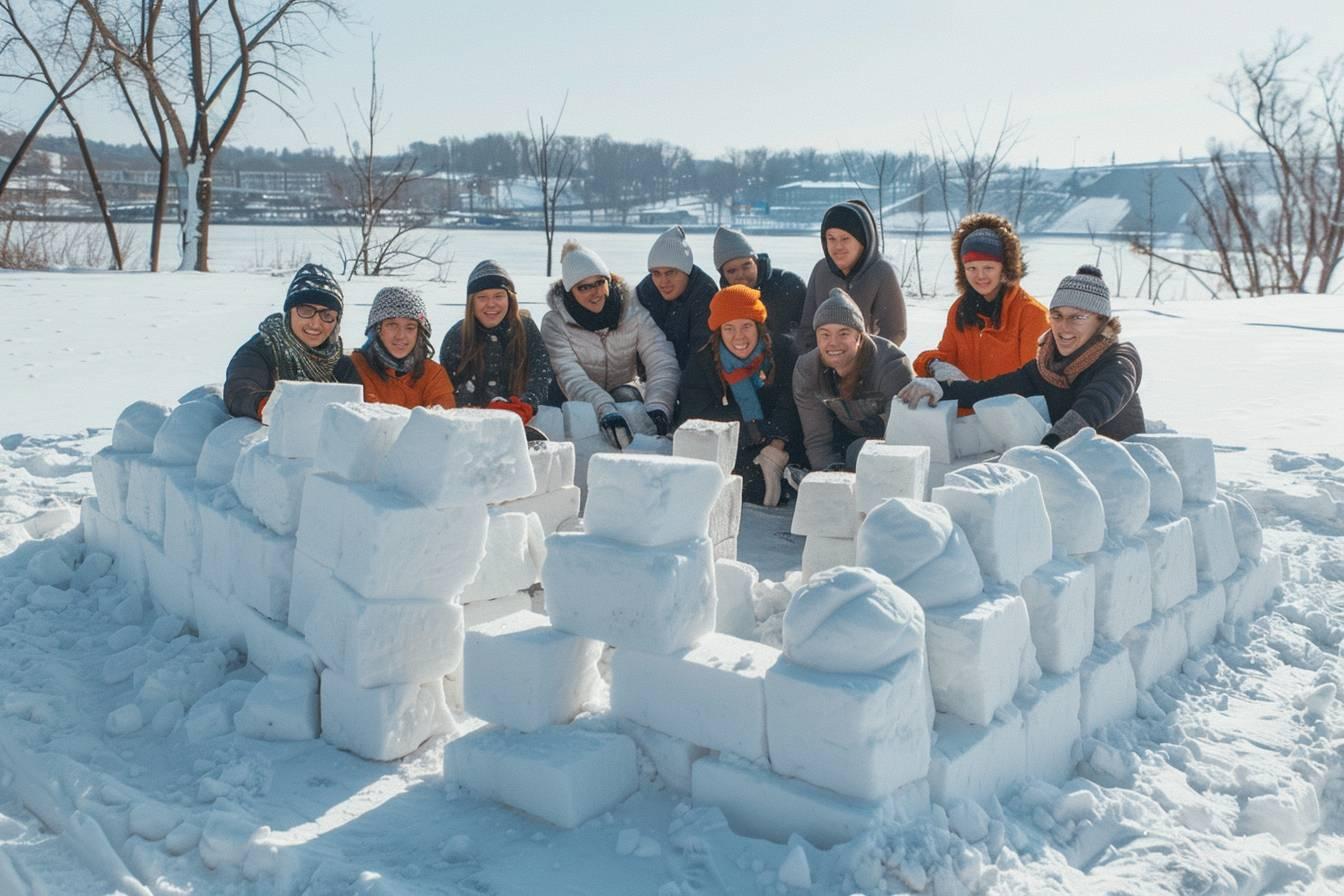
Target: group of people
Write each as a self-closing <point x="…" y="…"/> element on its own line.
<point x="808" y="370"/>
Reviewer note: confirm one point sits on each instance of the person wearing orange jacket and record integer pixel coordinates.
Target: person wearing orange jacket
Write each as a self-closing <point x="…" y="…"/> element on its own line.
<point x="994" y="326"/>
<point x="396" y="361"/>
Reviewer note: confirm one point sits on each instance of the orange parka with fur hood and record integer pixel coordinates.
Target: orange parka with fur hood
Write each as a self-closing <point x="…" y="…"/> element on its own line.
<point x="984" y="352"/>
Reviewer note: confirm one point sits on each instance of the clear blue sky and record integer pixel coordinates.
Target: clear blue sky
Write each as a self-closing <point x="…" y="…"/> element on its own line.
<point x="1135" y="78"/>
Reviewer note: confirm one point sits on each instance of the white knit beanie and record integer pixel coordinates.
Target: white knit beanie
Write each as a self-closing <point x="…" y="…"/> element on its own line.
<point x="578" y="263"/>
<point x="671" y="250"/>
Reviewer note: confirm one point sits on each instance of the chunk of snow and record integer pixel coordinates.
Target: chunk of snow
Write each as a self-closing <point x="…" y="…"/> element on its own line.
<point x="825" y="506"/>
<point x="711" y="440"/>
<point x="462" y="456"/>
<point x="354" y="439"/>
<point x="294" y="414"/>
<point x="918" y="546"/>
<point x="1002" y="512"/>
<point x="851" y="619"/>
<point x="1118" y="478"/>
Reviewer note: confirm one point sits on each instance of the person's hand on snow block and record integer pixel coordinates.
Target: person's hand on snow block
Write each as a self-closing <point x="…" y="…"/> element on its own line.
<point x="772" y="461"/>
<point x="660" y="421"/>
<point x="920" y="388"/>
<point x="515" y="404"/>
<point x="614" y="427"/>
<point x="852" y="620"/>
<point x="946" y="371"/>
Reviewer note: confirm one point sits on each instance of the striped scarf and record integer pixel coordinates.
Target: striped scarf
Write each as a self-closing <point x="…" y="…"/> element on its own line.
<point x="745" y="376"/>
<point x="293" y="359"/>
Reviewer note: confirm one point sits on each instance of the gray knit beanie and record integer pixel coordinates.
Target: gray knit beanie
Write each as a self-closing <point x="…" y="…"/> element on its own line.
<point x="489" y="274"/>
<point x="730" y="244"/>
<point x="578" y="263"/>
<point x="397" y="301"/>
<point x="982" y="243"/>
<point x="1085" y="290"/>
<point x="671" y="250"/>
<point x="840" y="309"/>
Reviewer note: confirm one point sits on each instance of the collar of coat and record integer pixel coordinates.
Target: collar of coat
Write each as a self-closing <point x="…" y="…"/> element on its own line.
<point x="1059" y="371"/>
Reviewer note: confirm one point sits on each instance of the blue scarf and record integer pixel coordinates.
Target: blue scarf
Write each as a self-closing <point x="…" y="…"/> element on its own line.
<point x="745" y="376"/>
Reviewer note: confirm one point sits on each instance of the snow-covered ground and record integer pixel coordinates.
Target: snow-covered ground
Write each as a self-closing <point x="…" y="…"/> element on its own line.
<point x="1229" y="781"/>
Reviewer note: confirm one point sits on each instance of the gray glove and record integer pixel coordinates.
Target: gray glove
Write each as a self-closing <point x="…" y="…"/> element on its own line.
<point x="946" y="371"/>
<point x="920" y="388"/>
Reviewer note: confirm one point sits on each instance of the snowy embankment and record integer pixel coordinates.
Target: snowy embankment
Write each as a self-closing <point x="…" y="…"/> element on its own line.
<point x="1228" y="781"/>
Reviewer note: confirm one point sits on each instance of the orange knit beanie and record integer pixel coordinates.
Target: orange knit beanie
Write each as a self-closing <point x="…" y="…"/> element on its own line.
<point x="736" y="302"/>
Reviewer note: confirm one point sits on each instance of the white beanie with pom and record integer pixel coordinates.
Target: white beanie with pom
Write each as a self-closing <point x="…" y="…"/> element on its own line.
<point x="578" y="263"/>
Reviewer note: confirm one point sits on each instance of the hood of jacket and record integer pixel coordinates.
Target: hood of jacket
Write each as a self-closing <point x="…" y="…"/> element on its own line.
<point x="763" y="271"/>
<point x="871" y="250"/>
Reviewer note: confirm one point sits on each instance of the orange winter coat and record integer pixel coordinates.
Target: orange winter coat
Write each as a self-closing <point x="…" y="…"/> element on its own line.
<point x="983" y="354"/>
<point x="434" y="388"/>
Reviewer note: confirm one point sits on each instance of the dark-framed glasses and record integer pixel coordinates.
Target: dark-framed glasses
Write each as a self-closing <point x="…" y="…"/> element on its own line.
<point x="326" y="315"/>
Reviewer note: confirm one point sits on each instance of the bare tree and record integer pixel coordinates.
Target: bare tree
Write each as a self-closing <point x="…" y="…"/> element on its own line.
<point x="551" y="162"/>
<point x="967" y="159"/>
<point x="385" y="239"/>
<point x="883" y="166"/>
<point x="200" y="72"/>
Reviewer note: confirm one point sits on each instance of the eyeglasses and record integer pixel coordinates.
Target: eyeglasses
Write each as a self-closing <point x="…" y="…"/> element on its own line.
<point x="326" y="315"/>
<point x="1071" y="318"/>
<point x="586" y="288"/>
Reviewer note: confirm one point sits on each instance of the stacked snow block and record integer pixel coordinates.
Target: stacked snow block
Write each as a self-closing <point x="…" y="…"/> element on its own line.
<point x="952" y="441"/>
<point x="556" y="499"/>
<point x="825" y="515"/>
<point x="716" y="441"/>
<point x="132" y="441"/>
<point x="1257" y="576"/>
<point x="381" y="563"/>
<point x="842" y="716"/>
<point x="581" y="428"/>
<point x="885" y="471"/>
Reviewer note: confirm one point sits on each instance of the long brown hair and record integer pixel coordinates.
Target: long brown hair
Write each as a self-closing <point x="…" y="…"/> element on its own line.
<point x="762" y="336"/>
<point x="472" y="365"/>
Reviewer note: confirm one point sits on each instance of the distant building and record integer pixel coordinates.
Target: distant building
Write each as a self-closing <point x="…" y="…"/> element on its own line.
<point x="807" y="200"/>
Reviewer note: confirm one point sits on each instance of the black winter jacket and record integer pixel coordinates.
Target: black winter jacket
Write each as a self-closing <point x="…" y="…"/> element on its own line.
<point x="705" y="396"/>
<point x="1105" y="396"/>
<point x="251" y="377"/>
<point x="473" y="393"/>
<point x="685" y="320"/>
<point x="783" y="293"/>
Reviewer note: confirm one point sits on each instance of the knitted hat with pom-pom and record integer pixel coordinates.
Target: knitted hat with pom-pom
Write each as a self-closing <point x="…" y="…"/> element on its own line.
<point x="578" y="263"/>
<point x="1084" y="290"/>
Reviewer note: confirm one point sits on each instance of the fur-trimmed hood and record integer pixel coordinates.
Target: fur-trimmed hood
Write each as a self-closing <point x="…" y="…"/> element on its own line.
<point x="1014" y="266"/>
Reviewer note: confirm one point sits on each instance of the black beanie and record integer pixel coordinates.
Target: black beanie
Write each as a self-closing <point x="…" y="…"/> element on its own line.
<point x="847" y="218"/>
<point x="313" y="284"/>
<point x="489" y="274"/>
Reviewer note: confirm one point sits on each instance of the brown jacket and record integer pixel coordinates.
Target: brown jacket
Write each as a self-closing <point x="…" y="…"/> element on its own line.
<point x="819" y="404"/>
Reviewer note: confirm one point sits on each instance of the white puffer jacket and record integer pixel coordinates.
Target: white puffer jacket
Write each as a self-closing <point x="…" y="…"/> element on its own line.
<point x="588" y="365"/>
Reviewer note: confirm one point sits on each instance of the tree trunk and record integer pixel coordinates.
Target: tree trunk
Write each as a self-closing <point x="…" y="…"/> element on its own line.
<point x="27" y="143"/>
<point x="97" y="186"/>
<point x="160" y="207"/>
<point x="187" y="214"/>
<point x="204" y="206"/>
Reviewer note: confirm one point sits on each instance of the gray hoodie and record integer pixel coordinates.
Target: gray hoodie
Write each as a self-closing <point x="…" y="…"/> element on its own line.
<point x="873" y="285"/>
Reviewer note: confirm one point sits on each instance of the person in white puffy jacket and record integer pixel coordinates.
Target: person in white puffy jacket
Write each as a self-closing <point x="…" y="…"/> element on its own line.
<point x="602" y="343"/>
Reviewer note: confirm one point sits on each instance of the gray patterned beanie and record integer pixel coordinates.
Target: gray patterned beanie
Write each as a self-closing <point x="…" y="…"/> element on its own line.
<point x="397" y="301"/>
<point x="1085" y="290"/>
<point x="730" y="244"/>
<point x="671" y="250"/>
<point x="840" y="309"/>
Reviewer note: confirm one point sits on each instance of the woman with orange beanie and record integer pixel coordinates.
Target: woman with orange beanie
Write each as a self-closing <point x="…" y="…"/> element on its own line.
<point x="994" y="325"/>
<point x="742" y="375"/>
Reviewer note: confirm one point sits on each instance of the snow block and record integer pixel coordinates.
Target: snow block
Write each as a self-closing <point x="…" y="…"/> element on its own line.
<point x="1061" y="605"/>
<point x="580" y="421"/>
<point x="725" y="549"/>
<point x="825" y="506"/>
<point x="100" y="531"/>
<point x="1250" y="587"/>
<point x="507" y="565"/>
<point x="463" y="456"/>
<point x="885" y="471"/>
<point x="1158" y="647"/>
<point x="478" y="613"/>
<point x="387" y="547"/>
<point x="1246" y="531"/>
<point x="217" y="615"/>
<point x="1001" y="510"/>
<point x="271" y="645"/>
<point x="734" y="612"/>
<point x="821" y="553"/>
<point x="712" y="694"/>
<point x="863" y="736"/>
<point x="137" y="426"/>
<point x="216" y="510"/>
<point x="1107" y="687"/>
<point x="521" y="672"/>
<point x="282" y="706"/>
<point x="182" y="521"/>
<point x="1164" y="494"/>
<point x="308" y="588"/>
<point x="1171" y="558"/>
<point x="725" y="518"/>
<point x="354" y="438"/>
<point x="923" y="425"/>
<point x="1192" y="459"/>
<point x="672" y="757"/>
<point x="645" y="499"/>
<point x="181" y="437"/>
<point x="1050" y="716"/>
<point x="263" y="565"/>
<point x="976" y="762"/>
<point x="759" y="804"/>
<point x="1203" y="611"/>
<point x="168" y="583"/>
<point x="851" y="619"/>
<point x="130" y="568"/>
<point x="711" y="440"/>
<point x="1216" y="554"/>
<point x="918" y="546"/>
<point x="219" y="452"/>
<point x="653" y="599"/>
<point x="976" y="654"/>
<point x="1010" y="420"/>
<point x="1124" y="587"/>
<point x="1118" y="478"/>
<point x="383" y="723"/>
<point x="552" y="465"/>
<point x="294" y="414"/>
<point x="969" y="437"/>
<point x="1077" y="520"/>
<point x="271" y="486"/>
<point x="550" y="421"/>
<point x="553" y="508"/>
<point x="381" y="642"/>
<point x="563" y="776"/>
<point x="144" y="494"/>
